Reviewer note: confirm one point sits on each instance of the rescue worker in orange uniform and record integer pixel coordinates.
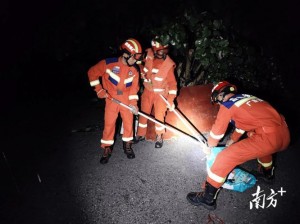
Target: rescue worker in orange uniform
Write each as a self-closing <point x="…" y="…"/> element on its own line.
<point x="267" y="133"/>
<point x="119" y="80"/>
<point x="158" y="79"/>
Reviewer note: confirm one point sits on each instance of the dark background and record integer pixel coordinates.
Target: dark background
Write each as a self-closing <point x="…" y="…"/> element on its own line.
<point x="53" y="43"/>
<point x="48" y="46"/>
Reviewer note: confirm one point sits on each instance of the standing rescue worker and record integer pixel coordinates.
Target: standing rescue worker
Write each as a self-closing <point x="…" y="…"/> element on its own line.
<point x="267" y="133"/>
<point x="158" y="79"/>
<point x="119" y="80"/>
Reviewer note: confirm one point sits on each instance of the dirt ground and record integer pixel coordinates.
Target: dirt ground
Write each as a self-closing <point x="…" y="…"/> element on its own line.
<point x="51" y="174"/>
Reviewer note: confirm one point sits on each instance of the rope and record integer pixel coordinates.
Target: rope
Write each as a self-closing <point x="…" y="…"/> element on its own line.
<point x="214" y="219"/>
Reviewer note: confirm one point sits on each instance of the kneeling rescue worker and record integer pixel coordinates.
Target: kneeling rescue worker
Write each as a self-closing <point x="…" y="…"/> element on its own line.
<point x="119" y="80"/>
<point x="267" y="133"/>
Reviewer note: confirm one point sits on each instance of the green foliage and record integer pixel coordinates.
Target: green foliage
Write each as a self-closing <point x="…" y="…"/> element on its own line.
<point x="207" y="52"/>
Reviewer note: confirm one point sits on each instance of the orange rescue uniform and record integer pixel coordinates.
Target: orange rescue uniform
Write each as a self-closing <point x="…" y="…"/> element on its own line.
<point x="266" y="129"/>
<point x="158" y="78"/>
<point x="122" y="83"/>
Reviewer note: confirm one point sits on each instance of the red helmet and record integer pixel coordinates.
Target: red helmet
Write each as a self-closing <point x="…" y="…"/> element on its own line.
<point x="160" y="46"/>
<point x="133" y="48"/>
<point x="222" y="87"/>
<point x="157" y="44"/>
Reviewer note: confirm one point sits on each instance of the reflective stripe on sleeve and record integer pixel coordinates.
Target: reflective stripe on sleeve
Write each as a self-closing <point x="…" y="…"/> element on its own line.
<point x="216" y="136"/>
<point x="133" y="97"/>
<point x="158" y="90"/>
<point x="240" y="131"/>
<point x="174" y="92"/>
<point x="95" y="82"/>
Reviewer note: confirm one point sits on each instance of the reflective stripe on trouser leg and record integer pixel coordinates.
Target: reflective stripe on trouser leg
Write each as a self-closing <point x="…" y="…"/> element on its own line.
<point x="146" y="107"/>
<point x="110" y="116"/>
<point x="265" y="161"/>
<point x="127" y="119"/>
<point x="160" y="109"/>
<point x="142" y="128"/>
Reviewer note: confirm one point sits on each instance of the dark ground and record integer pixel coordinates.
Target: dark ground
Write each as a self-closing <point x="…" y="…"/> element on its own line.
<point x="57" y="178"/>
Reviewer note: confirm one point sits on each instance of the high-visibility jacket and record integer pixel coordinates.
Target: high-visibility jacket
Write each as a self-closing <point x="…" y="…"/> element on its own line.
<point x="246" y="113"/>
<point x="122" y="83"/>
<point x="117" y="79"/>
<point x="267" y="133"/>
<point x="158" y="79"/>
<point x="158" y="75"/>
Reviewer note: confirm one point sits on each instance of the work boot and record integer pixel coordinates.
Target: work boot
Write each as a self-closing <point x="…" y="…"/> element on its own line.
<point x="138" y="138"/>
<point x="106" y="155"/>
<point x="207" y="198"/>
<point x="159" y="141"/>
<point x="128" y="150"/>
<point x="266" y="175"/>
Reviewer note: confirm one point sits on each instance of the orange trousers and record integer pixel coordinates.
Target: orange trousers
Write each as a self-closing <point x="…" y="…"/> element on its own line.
<point x="259" y="145"/>
<point x="111" y="114"/>
<point x="151" y="99"/>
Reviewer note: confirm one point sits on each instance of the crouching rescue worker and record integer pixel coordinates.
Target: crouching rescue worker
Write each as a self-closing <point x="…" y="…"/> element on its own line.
<point x="119" y="80"/>
<point x="158" y="79"/>
<point x="267" y="133"/>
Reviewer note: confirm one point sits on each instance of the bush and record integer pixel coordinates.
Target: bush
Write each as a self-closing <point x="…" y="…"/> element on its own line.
<point x="206" y="51"/>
